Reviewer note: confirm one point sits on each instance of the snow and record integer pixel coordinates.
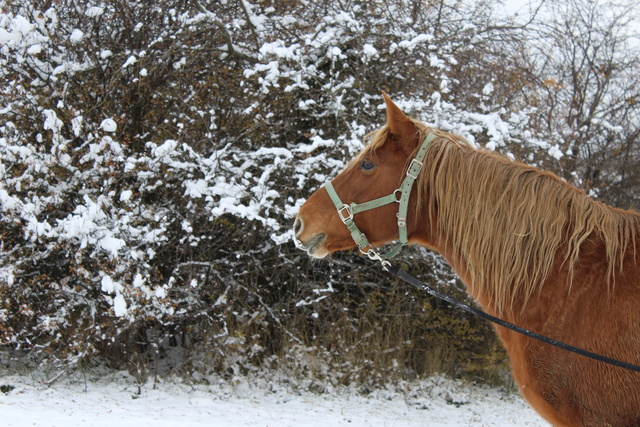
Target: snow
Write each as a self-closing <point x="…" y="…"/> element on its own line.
<point x="130" y="61"/>
<point x="196" y="188"/>
<point x="119" y="305"/>
<point x="34" y="49"/>
<point x="419" y="39"/>
<point x="112" y="245"/>
<point x="94" y="11"/>
<point x="51" y="121"/>
<point x="555" y="151"/>
<point x="76" y="36"/>
<point x="109" y="125"/>
<point x="98" y="400"/>
<point x="369" y="50"/>
<point x="107" y="284"/>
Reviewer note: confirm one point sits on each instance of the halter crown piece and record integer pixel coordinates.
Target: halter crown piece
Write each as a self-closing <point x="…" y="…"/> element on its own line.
<point x="401" y="196"/>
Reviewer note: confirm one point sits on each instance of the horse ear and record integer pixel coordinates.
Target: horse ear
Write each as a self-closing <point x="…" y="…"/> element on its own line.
<point x="399" y="123"/>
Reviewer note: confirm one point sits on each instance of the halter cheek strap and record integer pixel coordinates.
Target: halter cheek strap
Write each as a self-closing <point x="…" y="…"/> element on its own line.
<point x="401" y="196"/>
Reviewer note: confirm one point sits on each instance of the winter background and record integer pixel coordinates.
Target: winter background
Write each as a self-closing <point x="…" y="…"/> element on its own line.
<point x="153" y="155"/>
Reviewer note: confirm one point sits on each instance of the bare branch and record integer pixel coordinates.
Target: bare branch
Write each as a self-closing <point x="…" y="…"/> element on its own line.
<point x="232" y="49"/>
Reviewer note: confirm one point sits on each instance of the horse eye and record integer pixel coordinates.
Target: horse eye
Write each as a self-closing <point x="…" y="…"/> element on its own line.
<point x="367" y="165"/>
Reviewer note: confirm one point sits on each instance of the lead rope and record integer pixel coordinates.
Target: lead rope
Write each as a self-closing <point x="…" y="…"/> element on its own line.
<point x="424" y="287"/>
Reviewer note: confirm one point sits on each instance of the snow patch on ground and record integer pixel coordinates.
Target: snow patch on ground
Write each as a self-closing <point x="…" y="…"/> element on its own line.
<point x="114" y="399"/>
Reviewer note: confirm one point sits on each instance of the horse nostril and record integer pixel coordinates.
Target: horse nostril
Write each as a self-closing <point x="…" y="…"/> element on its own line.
<point x="297" y="227"/>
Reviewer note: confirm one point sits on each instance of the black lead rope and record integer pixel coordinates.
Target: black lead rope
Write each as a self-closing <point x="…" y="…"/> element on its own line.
<point x="423" y="286"/>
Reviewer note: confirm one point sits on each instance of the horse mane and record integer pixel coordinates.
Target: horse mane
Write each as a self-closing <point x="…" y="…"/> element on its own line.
<point x="510" y="222"/>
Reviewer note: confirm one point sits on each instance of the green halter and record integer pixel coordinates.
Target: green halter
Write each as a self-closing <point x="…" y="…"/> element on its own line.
<point x="401" y="196"/>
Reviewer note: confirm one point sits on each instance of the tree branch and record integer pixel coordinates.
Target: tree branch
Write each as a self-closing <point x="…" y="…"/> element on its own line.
<point x="232" y="49"/>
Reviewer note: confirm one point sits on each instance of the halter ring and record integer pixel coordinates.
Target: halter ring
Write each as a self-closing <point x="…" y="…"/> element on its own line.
<point x="349" y="211"/>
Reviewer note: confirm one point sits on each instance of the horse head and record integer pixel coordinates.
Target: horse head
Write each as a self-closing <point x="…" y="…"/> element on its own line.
<point x="377" y="172"/>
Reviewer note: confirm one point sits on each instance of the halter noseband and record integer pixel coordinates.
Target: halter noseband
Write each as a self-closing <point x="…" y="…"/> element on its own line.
<point x="401" y="196"/>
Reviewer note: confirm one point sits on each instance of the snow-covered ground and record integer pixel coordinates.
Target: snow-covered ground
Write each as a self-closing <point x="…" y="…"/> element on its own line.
<point x="113" y="400"/>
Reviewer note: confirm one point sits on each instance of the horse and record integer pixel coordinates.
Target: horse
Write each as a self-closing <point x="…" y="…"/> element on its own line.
<point x="528" y="246"/>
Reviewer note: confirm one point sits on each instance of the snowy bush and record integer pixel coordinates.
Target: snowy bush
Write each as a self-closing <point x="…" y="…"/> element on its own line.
<point x="153" y="156"/>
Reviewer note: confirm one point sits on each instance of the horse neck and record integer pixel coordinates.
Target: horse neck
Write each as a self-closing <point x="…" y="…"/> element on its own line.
<point x="443" y="244"/>
<point x="505" y="227"/>
<point x="505" y="246"/>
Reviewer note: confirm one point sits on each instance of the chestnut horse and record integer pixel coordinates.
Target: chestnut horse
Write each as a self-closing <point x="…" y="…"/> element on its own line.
<point x="529" y="248"/>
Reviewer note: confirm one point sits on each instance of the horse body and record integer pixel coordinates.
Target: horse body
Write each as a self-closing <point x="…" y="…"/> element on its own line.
<point x="567" y="389"/>
<point x="529" y="247"/>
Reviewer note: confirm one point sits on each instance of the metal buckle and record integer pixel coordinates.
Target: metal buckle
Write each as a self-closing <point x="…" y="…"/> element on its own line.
<point x="372" y="254"/>
<point x="375" y="256"/>
<point x="349" y="211"/>
<point x="419" y="163"/>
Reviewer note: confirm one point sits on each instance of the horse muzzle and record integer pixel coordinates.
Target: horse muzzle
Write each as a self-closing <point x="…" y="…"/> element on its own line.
<point x="314" y="246"/>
